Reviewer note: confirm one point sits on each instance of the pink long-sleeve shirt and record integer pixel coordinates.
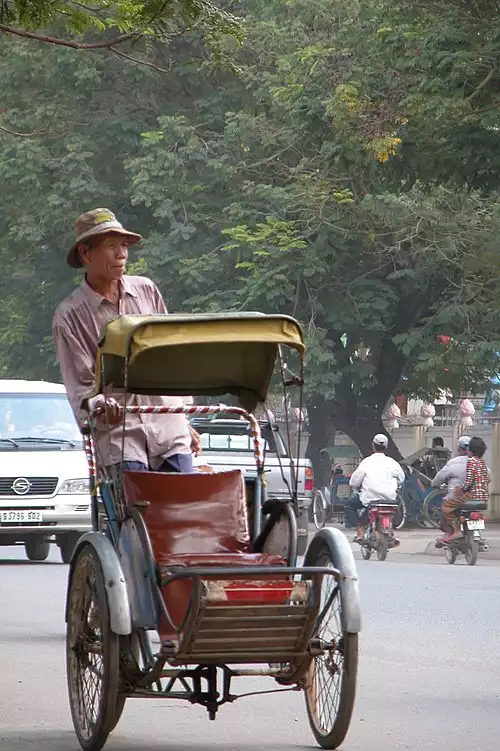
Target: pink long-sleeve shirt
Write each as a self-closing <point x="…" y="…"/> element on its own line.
<point x="76" y="328"/>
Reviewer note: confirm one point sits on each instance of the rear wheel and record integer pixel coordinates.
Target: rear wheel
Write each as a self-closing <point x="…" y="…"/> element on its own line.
<point x="431" y="511"/>
<point x="399" y="520"/>
<point x="37" y="549"/>
<point x="450" y="554"/>
<point x="471" y="550"/>
<point x="319" y="510"/>
<point x="382" y="546"/>
<point x="302" y="531"/>
<point x="92" y="655"/>
<point x="331" y="679"/>
<point x="366" y="552"/>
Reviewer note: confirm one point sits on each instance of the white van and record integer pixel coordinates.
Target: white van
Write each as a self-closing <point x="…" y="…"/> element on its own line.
<point x="44" y="485"/>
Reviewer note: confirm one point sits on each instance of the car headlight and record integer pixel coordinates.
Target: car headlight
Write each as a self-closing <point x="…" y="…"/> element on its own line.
<point x="79" y="486"/>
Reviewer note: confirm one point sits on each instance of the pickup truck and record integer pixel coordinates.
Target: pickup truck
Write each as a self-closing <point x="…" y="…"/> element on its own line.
<point x="227" y="444"/>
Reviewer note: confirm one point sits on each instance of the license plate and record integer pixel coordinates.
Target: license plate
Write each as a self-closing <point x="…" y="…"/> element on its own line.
<point x="475" y="523"/>
<point x="343" y="491"/>
<point x="18" y="517"/>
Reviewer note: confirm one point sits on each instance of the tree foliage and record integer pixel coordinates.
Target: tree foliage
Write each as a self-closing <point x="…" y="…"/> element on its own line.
<point x="105" y="25"/>
<point x="345" y="175"/>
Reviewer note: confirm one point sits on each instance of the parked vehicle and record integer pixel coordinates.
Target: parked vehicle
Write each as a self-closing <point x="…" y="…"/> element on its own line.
<point x="44" y="486"/>
<point x="227" y="443"/>
<point x="422" y="503"/>
<point x="379" y="530"/>
<point x="329" y="501"/>
<point x="472" y="542"/>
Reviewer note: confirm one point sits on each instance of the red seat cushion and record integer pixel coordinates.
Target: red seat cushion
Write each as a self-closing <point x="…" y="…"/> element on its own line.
<point x="177" y="595"/>
<point x="191" y="513"/>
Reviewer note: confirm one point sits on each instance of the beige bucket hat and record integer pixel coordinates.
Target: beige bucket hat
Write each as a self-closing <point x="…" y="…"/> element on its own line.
<point x="92" y="223"/>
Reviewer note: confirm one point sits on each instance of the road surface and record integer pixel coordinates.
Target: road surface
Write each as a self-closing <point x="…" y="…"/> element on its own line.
<point x="429" y="675"/>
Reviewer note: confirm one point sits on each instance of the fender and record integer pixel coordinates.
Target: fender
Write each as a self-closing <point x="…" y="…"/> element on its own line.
<point x="343" y="560"/>
<point x="116" y="587"/>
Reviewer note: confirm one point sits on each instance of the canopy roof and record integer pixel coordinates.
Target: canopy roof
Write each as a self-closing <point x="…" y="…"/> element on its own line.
<point x="195" y="355"/>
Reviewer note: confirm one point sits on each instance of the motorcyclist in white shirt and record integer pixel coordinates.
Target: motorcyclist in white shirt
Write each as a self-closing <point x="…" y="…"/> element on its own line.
<point x="378" y="478"/>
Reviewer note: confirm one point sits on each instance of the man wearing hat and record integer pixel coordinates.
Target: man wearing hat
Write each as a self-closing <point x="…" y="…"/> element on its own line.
<point x="377" y="478"/>
<point x="158" y="442"/>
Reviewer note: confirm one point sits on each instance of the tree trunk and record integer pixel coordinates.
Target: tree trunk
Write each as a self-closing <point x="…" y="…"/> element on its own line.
<point x="362" y="432"/>
<point x="321" y="435"/>
<point x="361" y="424"/>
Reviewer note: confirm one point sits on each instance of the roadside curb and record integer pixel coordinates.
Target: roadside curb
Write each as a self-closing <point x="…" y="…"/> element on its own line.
<point x="414" y="543"/>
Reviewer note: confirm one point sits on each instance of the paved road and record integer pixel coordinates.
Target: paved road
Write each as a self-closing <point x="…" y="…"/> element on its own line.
<point x="429" y="672"/>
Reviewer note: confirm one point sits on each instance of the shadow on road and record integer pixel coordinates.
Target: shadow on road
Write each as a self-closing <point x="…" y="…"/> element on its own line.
<point x="17" y="562"/>
<point x="63" y="740"/>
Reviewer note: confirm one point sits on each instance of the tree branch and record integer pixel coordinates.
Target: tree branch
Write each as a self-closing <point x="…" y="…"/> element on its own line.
<point x="35" y="134"/>
<point x="483" y="83"/>
<point x="67" y="42"/>
<point x="486" y="109"/>
<point x="139" y="61"/>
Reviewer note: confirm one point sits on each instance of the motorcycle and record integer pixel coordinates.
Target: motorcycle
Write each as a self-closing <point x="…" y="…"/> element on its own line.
<point x="379" y="530"/>
<point x="472" y="523"/>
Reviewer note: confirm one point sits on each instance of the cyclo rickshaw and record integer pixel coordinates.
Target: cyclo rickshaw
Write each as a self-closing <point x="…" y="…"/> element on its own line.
<point x="202" y="564"/>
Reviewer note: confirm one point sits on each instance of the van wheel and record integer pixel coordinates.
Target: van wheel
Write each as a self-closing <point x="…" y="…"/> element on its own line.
<point x="302" y="544"/>
<point x="37" y="549"/>
<point x="67" y="545"/>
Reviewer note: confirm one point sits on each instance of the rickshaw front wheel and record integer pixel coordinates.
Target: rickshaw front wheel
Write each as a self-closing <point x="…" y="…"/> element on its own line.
<point x="330" y="686"/>
<point x="92" y="655"/>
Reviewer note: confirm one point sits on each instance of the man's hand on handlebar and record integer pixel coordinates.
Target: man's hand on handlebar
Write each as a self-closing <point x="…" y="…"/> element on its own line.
<point x="195" y="441"/>
<point x="113" y="413"/>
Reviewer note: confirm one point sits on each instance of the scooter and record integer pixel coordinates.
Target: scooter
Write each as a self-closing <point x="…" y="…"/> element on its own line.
<point x="379" y="530"/>
<point x="472" y="542"/>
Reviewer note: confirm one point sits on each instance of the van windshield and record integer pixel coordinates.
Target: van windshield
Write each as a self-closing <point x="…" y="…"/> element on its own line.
<point x="44" y="419"/>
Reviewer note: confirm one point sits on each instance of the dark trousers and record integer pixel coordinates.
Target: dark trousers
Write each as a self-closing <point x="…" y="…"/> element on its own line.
<point x="352" y="506"/>
<point x="175" y="463"/>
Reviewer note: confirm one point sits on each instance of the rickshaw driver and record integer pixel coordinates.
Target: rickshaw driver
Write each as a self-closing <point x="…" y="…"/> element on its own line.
<point x="163" y="443"/>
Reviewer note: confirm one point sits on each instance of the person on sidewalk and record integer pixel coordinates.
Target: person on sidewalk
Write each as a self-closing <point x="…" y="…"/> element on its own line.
<point x="377" y="478"/>
<point x="164" y="443"/>
<point x="473" y="488"/>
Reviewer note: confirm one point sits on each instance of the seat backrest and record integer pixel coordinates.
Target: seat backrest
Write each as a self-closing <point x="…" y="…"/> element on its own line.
<point x="191" y="513"/>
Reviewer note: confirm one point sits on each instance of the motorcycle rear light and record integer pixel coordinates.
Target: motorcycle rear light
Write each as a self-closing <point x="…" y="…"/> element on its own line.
<point x="309" y="479"/>
<point x="475" y="515"/>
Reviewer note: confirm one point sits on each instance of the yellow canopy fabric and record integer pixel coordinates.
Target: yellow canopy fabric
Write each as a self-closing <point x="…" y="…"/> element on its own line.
<point x="195" y="355"/>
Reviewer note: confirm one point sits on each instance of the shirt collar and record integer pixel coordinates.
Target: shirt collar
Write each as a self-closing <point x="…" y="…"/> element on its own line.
<point x="96" y="299"/>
